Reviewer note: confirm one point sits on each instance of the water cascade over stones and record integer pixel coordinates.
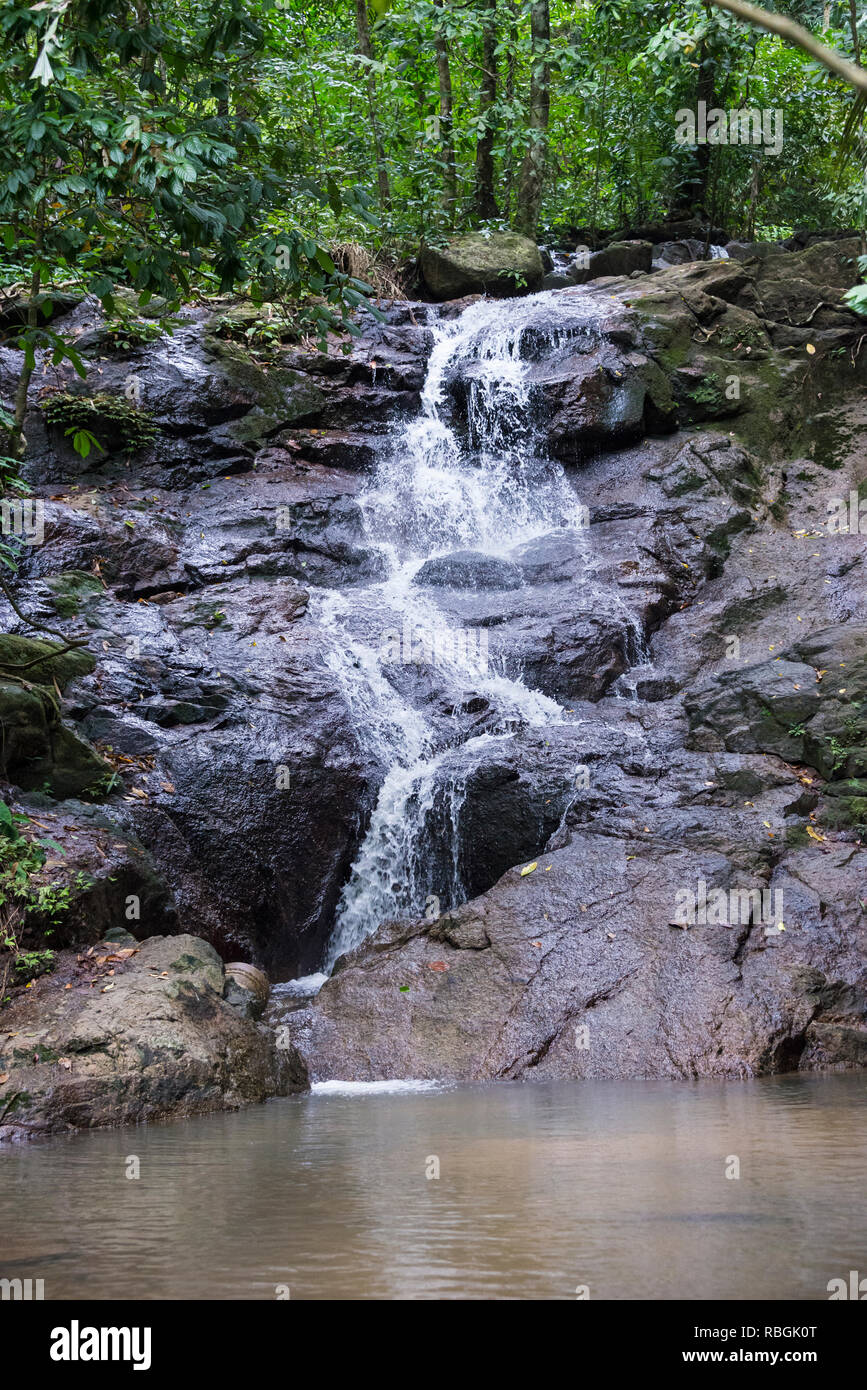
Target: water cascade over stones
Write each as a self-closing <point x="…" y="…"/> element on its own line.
<point x="445" y="667"/>
<point x="461" y="508"/>
<point x="513" y="909"/>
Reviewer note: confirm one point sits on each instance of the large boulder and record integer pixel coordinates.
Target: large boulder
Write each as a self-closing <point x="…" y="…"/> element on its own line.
<point x="501" y="264"/>
<point x="577" y="966"/>
<point x="620" y="258"/>
<point x="753" y="250"/>
<point x="128" y="1034"/>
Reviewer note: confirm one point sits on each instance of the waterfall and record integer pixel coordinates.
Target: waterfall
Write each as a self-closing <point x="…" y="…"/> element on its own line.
<point x="484" y="484"/>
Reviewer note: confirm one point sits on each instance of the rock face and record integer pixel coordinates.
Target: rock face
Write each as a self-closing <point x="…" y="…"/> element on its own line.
<point x="700" y="625"/>
<point x="574" y="971"/>
<point x="155" y="1038"/>
<point x="496" y="263"/>
<point x="732" y="784"/>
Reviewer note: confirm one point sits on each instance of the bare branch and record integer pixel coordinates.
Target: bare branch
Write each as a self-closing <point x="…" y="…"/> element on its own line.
<point x="787" y="29"/>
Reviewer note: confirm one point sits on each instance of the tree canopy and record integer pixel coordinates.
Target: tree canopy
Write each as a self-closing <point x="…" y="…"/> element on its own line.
<point x="296" y="151"/>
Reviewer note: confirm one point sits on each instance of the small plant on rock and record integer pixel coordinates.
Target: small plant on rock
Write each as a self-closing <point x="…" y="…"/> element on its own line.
<point x="122" y="425"/>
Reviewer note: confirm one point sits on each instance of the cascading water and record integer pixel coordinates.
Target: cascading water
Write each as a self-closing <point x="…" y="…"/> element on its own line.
<point x="441" y="489"/>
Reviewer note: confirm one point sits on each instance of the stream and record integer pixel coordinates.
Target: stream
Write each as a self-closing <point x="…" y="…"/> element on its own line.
<point x="619" y="1187"/>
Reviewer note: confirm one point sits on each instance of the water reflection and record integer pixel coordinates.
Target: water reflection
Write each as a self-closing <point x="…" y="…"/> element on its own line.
<point x="618" y="1186"/>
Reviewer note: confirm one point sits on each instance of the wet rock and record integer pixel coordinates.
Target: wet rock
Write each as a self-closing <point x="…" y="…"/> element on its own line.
<point x="153" y="1040"/>
<point x="198" y="572"/>
<point x="246" y="989"/>
<point x="495" y="263"/>
<point x="618" y="258"/>
<point x="753" y="250"/>
<point x="53" y="304"/>
<point x="676" y="229"/>
<point x="469" y="569"/>
<point x="573" y="970"/>
<point x="784" y="705"/>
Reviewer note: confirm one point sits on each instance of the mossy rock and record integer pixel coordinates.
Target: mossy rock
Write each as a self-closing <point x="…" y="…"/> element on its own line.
<point x="117" y="425"/>
<point x="283" y="394"/>
<point x="845" y="813"/>
<point x="501" y="264"/>
<point x="252" y="323"/>
<point x="127" y="299"/>
<point x="17" y="652"/>
<point x="38" y="750"/>
<point x="70" y="590"/>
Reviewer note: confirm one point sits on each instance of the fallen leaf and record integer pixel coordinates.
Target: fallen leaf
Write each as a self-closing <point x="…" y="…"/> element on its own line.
<point x="106" y="988"/>
<point x="814" y="834"/>
<point x="167" y="786"/>
<point x="535" y="943"/>
<point x="528" y="869"/>
<point x="439" y="965"/>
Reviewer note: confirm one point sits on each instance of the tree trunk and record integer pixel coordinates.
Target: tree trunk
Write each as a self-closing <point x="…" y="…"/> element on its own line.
<point x="486" y="202"/>
<point x="509" y="162"/>
<point x="16" y="434"/>
<point x="531" y="181"/>
<point x="755" y="185"/>
<point x="704" y="92"/>
<point x="853" y="25"/>
<point x="447" y="134"/>
<point x="365" y="48"/>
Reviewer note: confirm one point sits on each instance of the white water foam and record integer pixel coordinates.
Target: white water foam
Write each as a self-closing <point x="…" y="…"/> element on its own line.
<point x="374" y="1088"/>
<point x="442" y="488"/>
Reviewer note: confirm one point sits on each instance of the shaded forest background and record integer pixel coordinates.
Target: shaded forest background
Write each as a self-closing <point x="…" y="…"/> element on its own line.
<point x="302" y="152"/>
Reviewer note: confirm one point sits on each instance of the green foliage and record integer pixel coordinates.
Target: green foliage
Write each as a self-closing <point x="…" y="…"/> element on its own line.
<point x="152" y="154"/>
<point x="25" y="893"/>
<point x="131" y="154"/>
<point x="31" y="964"/>
<point x="620" y="70"/>
<point x="103" y="786"/>
<point x="856" y="298"/>
<point x="10" y="546"/>
<point x="122" y="425"/>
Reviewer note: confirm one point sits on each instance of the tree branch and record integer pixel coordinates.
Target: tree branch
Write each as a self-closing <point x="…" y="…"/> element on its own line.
<point x="791" y="32"/>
